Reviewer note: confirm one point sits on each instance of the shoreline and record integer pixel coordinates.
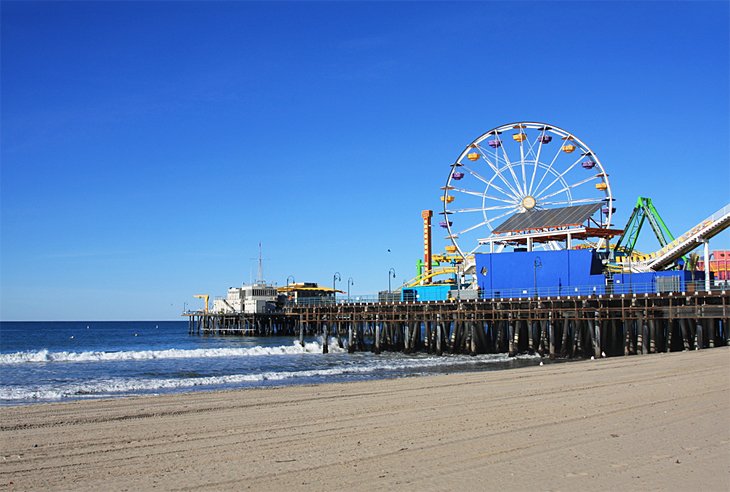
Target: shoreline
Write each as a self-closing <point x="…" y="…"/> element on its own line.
<point x="652" y="422"/>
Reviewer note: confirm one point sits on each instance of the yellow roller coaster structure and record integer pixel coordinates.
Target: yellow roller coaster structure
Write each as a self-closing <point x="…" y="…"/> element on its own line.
<point x="205" y="298"/>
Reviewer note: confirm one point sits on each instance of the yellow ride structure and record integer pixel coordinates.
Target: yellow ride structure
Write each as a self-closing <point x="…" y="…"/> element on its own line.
<point x="205" y="298"/>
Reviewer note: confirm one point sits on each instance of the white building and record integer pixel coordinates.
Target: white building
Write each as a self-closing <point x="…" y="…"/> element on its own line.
<point x="257" y="298"/>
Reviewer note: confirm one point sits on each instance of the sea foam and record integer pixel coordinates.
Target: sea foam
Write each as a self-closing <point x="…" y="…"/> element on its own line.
<point x="121" y="386"/>
<point x="96" y="356"/>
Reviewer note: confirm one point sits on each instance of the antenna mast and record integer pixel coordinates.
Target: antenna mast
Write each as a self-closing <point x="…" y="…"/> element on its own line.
<point x="261" y="266"/>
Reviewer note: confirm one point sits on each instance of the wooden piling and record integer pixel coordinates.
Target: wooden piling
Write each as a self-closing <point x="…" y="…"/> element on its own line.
<point x="512" y="345"/>
<point x="325" y="347"/>
<point x="699" y="336"/>
<point x="377" y="336"/>
<point x="597" y="346"/>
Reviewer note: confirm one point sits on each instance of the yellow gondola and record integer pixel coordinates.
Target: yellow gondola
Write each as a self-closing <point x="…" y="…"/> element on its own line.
<point x="473" y="156"/>
<point x="519" y="137"/>
<point x="447" y="199"/>
<point x="450" y="248"/>
<point x="568" y="148"/>
<point x="601" y="186"/>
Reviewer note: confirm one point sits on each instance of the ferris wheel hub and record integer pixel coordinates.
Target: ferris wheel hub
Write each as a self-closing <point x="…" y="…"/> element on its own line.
<point x="529" y="202"/>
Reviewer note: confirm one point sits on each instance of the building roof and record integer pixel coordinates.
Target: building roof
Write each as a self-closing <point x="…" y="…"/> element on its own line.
<point x="308" y="287"/>
<point x="547" y="219"/>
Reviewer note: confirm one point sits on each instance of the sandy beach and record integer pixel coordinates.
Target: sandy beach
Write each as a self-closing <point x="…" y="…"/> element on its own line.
<point x="656" y="422"/>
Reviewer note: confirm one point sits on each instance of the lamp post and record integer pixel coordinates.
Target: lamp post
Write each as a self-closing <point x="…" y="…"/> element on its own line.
<point x="336" y="277"/>
<point x="537" y="264"/>
<point x="288" y="292"/>
<point x="391" y="274"/>
<point x="349" y="283"/>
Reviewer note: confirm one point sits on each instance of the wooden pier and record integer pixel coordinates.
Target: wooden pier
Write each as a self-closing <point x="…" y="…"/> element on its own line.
<point x="578" y="326"/>
<point x="242" y="324"/>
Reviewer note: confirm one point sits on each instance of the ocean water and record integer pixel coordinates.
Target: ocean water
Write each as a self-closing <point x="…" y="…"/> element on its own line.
<point x="59" y="361"/>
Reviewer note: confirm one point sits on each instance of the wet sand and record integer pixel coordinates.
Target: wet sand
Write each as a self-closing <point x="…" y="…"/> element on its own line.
<point x="653" y="422"/>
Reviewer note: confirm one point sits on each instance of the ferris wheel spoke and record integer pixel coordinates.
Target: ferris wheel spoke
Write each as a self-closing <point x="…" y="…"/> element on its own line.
<point x="531" y="149"/>
<point x="522" y="165"/>
<point x="468" y="229"/>
<point x="511" y="202"/>
<point x="548" y="169"/>
<point x="489" y="182"/>
<point x="480" y="209"/>
<point x="566" y="188"/>
<point x="489" y="221"/>
<point x="537" y="161"/>
<point x="572" y="202"/>
<point x="509" y="166"/>
<point x="559" y="177"/>
<point x="495" y="168"/>
<point x="468" y="192"/>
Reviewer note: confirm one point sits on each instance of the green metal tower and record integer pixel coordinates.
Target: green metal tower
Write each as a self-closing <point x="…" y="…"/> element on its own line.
<point x="643" y="211"/>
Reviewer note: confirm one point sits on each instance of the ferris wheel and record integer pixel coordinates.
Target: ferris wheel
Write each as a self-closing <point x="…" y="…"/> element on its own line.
<point x="518" y="168"/>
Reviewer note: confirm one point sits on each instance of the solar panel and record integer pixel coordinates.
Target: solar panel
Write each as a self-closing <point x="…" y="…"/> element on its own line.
<point x="542" y="219"/>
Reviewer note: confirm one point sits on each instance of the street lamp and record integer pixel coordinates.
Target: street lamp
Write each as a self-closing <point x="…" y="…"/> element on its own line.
<point x="349" y="283"/>
<point x="537" y="264"/>
<point x="336" y="277"/>
<point x="391" y="274"/>
<point x="288" y="292"/>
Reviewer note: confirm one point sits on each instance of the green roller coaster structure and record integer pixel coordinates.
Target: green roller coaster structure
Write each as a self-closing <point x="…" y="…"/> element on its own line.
<point x="643" y="211"/>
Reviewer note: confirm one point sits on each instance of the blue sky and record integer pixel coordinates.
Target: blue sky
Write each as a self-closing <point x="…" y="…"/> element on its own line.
<point x="147" y="148"/>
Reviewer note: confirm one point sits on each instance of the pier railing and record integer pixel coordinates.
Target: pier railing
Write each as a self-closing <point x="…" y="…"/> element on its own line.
<point x="627" y="288"/>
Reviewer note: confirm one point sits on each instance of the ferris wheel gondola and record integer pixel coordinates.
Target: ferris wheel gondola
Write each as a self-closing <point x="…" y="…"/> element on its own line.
<point x="518" y="168"/>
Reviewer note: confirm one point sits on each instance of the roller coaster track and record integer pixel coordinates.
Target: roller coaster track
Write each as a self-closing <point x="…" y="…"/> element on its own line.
<point x="419" y="280"/>
<point x="666" y="256"/>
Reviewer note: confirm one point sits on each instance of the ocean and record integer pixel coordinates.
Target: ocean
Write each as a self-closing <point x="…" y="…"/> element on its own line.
<point x="61" y="361"/>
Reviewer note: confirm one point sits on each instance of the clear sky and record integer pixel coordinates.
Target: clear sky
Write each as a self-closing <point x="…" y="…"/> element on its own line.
<point x="147" y="147"/>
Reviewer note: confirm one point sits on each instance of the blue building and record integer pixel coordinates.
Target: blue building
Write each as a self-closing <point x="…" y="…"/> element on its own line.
<point x="542" y="273"/>
<point x="421" y="293"/>
<point x="650" y="282"/>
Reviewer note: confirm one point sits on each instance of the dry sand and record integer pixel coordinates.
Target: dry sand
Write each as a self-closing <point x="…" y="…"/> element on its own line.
<point x="655" y="422"/>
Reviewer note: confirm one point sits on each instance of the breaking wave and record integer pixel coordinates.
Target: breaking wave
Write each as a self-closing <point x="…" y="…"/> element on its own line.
<point x="120" y="386"/>
<point x="96" y="356"/>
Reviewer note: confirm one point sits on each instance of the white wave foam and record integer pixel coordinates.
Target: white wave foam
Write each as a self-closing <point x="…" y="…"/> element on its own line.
<point x="118" y="386"/>
<point x="46" y="356"/>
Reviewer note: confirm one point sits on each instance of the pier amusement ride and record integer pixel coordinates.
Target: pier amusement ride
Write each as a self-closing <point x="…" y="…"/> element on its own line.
<point x="523" y="171"/>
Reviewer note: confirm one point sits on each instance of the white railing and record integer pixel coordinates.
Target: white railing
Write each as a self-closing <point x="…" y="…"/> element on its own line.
<point x="705" y="229"/>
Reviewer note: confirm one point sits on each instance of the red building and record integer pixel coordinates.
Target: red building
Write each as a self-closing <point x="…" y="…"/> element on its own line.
<point x="719" y="264"/>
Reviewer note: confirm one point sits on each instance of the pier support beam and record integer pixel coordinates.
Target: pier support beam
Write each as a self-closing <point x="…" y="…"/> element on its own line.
<point x="350" y="339"/>
<point x="325" y="347"/>
<point x="706" y="244"/>
<point x="597" y="347"/>
<point x="511" y="332"/>
<point x="376" y="342"/>
<point x="670" y="331"/>
<point x="685" y="334"/>
<point x="652" y="336"/>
